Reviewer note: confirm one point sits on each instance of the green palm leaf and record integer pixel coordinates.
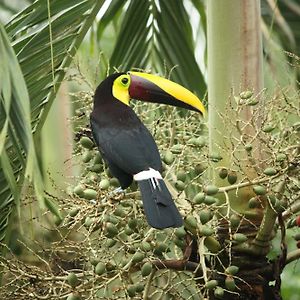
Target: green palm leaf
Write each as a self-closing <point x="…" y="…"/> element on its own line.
<point x="158" y="34"/>
<point x="15" y="132"/>
<point x="45" y="40"/>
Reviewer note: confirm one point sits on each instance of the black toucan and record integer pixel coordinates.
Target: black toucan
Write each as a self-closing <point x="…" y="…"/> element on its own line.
<point x="127" y="145"/>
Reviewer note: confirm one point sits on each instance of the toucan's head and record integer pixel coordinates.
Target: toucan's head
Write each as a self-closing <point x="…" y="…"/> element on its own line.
<point x="151" y="88"/>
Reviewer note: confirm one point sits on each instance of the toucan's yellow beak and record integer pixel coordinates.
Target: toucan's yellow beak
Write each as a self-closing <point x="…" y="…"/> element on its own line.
<point x="153" y="88"/>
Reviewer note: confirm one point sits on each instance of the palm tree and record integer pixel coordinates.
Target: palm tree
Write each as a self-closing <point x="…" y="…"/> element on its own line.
<point x="246" y="205"/>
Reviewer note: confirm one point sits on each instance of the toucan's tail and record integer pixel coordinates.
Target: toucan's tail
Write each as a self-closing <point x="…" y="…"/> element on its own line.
<point x="159" y="207"/>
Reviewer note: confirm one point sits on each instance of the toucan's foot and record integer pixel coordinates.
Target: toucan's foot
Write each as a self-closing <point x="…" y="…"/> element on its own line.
<point x="117" y="193"/>
<point x="118" y="190"/>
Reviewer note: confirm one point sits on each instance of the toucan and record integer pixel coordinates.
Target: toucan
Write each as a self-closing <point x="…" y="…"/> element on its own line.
<point x="126" y="144"/>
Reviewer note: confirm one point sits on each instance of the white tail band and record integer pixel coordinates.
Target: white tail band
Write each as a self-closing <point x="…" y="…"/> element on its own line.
<point x="148" y="174"/>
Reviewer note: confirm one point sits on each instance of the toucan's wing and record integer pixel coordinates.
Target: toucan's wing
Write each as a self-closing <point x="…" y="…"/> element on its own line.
<point x="132" y="149"/>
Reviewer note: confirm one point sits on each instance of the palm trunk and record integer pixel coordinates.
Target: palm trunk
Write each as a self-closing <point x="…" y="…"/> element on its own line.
<point x="235" y="66"/>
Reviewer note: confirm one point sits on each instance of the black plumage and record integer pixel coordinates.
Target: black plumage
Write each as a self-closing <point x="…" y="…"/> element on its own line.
<point x="129" y="148"/>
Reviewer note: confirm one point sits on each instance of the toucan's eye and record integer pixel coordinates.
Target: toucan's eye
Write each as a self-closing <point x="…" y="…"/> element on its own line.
<point x="125" y="80"/>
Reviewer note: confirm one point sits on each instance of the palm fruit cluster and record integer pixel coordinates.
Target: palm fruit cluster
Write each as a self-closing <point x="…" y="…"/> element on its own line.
<point x="118" y="249"/>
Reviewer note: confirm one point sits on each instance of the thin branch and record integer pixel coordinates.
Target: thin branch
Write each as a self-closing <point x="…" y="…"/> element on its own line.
<point x="292" y="256"/>
<point x="249" y="183"/>
<point x="148" y="285"/>
<point x="295" y="208"/>
<point x="180" y="264"/>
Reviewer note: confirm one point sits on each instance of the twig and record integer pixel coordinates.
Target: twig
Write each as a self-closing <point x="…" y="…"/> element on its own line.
<point x="249" y="183"/>
<point x="148" y="285"/>
<point x="294" y="255"/>
<point x="291" y="210"/>
<point x="179" y="264"/>
<point x="229" y="227"/>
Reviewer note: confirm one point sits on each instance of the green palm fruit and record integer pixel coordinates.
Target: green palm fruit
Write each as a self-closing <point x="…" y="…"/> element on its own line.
<point x="179" y="185"/>
<point x="209" y="200"/>
<point x="110" y="243"/>
<point x="246" y="94"/>
<point x="232" y="270"/>
<point x="180" y="232"/>
<point x="146" y="246"/>
<point x="253" y="202"/>
<point x="181" y="175"/>
<point x="139" y="287"/>
<point x="131" y="290"/>
<point x="146" y="269"/>
<point x="138" y="257"/>
<point x="168" y="157"/>
<point x="211" y="284"/>
<point x="86" y="142"/>
<point x="100" y="268"/>
<point x="268" y="128"/>
<point x="210" y="189"/>
<point x="90" y="194"/>
<point x="191" y="221"/>
<point x="104" y="184"/>
<point x="232" y="177"/>
<point x="111" y="229"/>
<point x="234" y="220"/>
<point x="240" y="238"/>
<point x="270" y="171"/>
<point x="206" y="230"/>
<point x="79" y="189"/>
<point x="259" y="190"/>
<point x="219" y="292"/>
<point x="212" y="244"/>
<point x="205" y="215"/>
<point x="230" y="283"/>
<point x="74" y="211"/>
<point x="199" y="198"/>
<point x="72" y="279"/>
<point x="87" y="156"/>
<point x="223" y="172"/>
<point x="132" y="223"/>
<point x="248" y="147"/>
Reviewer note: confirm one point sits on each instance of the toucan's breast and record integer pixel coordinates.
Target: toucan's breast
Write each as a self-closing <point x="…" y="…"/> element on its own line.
<point x="123" y="138"/>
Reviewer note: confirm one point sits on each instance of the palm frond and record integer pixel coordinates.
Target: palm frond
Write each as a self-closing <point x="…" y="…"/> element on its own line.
<point x="16" y="135"/>
<point x="45" y="40"/>
<point x="158" y="35"/>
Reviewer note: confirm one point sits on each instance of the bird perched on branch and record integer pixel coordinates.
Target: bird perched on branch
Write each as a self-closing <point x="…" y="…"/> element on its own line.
<point x="127" y="145"/>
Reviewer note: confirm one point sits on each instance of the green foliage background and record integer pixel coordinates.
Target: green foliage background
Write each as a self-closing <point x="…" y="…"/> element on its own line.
<point x="45" y="37"/>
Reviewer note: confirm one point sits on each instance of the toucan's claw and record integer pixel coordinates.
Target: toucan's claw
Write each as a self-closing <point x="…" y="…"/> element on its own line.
<point x="117" y="194"/>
